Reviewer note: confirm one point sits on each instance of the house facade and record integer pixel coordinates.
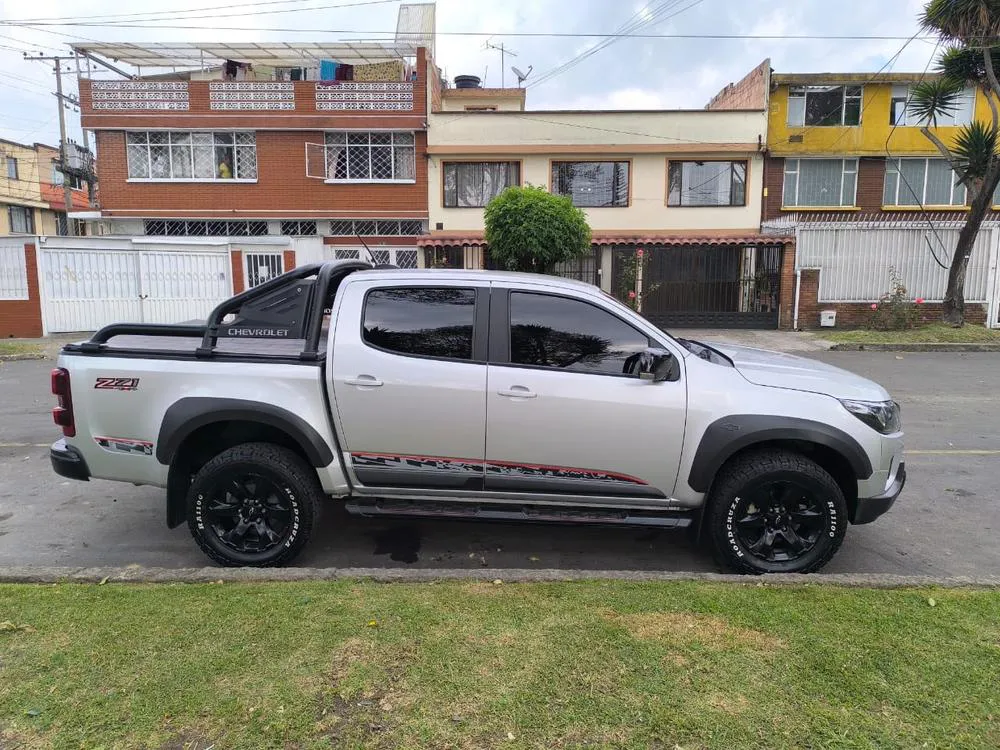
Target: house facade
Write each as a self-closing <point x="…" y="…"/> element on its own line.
<point x="278" y="145"/>
<point x="31" y="190"/>
<point x="867" y="195"/>
<point x="684" y="186"/>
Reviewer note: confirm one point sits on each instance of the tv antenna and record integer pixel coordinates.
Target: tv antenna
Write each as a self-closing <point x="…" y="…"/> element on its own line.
<point x="522" y="75"/>
<point x="503" y="53"/>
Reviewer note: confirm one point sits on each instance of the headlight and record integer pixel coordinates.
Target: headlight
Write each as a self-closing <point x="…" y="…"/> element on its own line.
<point x="881" y="416"/>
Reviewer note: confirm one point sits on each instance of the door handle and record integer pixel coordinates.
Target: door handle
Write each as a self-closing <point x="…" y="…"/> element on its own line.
<point x="368" y="381"/>
<point x="518" y="391"/>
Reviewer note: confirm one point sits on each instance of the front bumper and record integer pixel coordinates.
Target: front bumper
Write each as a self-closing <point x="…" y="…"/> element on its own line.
<point x="867" y="509"/>
<point x="68" y="462"/>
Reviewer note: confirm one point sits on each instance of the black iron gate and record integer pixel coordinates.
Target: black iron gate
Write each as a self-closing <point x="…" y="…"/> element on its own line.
<point x="703" y="286"/>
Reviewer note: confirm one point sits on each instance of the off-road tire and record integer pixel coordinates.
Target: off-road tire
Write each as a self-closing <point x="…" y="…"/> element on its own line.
<point x="288" y="472"/>
<point x="752" y="470"/>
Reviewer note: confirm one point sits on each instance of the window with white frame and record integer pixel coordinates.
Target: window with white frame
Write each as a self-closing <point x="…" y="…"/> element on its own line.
<point x="921" y="182"/>
<point x="370" y="156"/>
<point x="820" y="182"/>
<point x="187" y="155"/>
<point x="901" y="112"/>
<point x="824" y="105"/>
<point x="22" y="219"/>
<point x="11" y="168"/>
<point x="470" y="184"/>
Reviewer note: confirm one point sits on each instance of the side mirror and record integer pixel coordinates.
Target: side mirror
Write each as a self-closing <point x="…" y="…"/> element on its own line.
<point x="653" y="364"/>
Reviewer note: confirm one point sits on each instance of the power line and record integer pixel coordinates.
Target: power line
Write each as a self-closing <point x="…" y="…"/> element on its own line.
<point x="59" y="20"/>
<point x="646" y="16"/>
<point x="371" y="34"/>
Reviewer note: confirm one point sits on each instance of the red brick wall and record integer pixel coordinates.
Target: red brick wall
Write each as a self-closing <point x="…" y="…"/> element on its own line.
<point x="282" y="190"/>
<point x="748" y="93"/>
<point x="871" y="176"/>
<point x="857" y="314"/>
<point x="786" y="301"/>
<point x="239" y="280"/>
<point x="23" y="318"/>
<point x="774" y="178"/>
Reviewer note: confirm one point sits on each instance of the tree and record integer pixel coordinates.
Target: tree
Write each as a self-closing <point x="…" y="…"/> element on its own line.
<point x="529" y="229"/>
<point x="972" y="27"/>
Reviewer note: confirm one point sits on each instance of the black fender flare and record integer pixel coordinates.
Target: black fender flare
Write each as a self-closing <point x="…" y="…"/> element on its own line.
<point x="725" y="437"/>
<point x="189" y="414"/>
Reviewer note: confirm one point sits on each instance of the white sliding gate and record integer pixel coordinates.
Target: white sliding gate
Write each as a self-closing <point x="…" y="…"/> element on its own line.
<point x="88" y="283"/>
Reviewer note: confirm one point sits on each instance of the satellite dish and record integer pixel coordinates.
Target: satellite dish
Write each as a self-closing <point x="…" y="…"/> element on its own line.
<point x="521" y="75"/>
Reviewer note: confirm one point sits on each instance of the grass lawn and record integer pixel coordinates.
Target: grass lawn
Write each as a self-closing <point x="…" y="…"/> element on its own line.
<point x="19" y="347"/>
<point x="358" y="664"/>
<point x="927" y="334"/>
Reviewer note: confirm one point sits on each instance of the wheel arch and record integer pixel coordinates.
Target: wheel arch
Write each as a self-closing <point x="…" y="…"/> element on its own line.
<point x="196" y="429"/>
<point x="833" y="449"/>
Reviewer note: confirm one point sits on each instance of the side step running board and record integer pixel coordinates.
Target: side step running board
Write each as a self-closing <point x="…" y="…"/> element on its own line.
<point x="523" y="513"/>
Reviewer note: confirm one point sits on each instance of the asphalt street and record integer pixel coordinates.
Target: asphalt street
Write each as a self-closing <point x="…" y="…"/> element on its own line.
<point x="945" y="523"/>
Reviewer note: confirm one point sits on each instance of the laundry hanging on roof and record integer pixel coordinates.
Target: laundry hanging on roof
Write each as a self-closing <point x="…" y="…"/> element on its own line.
<point x="328" y="70"/>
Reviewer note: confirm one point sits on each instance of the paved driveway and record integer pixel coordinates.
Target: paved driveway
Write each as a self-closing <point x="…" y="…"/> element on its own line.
<point x="946" y="522"/>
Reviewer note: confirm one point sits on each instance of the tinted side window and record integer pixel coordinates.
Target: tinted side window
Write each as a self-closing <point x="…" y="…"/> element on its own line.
<point x="426" y="322"/>
<point x="547" y="331"/>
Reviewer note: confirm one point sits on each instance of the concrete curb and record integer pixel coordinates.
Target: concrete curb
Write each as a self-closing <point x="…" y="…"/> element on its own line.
<point x="20" y="357"/>
<point x="137" y="574"/>
<point x="936" y="347"/>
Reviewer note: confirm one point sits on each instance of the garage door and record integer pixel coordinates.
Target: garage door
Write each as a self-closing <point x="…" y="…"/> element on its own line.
<point x="84" y="290"/>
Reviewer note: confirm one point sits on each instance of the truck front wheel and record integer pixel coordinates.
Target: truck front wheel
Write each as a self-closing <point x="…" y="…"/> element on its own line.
<point x="775" y="511"/>
<point x="254" y="505"/>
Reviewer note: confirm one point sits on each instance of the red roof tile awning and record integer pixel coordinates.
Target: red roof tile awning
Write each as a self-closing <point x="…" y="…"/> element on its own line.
<point x="460" y="239"/>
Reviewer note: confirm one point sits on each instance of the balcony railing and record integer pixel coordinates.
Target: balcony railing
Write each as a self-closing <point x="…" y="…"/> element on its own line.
<point x="304" y="97"/>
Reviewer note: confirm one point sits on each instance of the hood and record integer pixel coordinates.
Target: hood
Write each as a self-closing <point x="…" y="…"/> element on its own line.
<point x="779" y="370"/>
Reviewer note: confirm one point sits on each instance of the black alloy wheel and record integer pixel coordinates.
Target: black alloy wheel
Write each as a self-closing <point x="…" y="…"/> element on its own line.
<point x="779" y="521"/>
<point x="249" y="513"/>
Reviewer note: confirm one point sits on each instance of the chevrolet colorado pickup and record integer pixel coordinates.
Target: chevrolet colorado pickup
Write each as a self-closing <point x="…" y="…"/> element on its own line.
<point x="470" y="394"/>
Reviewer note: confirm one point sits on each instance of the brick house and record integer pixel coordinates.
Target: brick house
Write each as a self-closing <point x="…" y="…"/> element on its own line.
<point x="264" y="140"/>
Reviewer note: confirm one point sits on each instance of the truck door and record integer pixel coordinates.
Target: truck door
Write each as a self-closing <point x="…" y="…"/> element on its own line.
<point x="408" y="376"/>
<point x="563" y="418"/>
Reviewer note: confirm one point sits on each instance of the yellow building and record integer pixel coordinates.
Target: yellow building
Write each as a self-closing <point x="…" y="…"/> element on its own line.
<point x="21" y="203"/>
<point x="848" y="142"/>
<point x="31" y="191"/>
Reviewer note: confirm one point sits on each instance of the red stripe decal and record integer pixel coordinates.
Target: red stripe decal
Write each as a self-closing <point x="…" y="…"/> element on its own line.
<point x="509" y="464"/>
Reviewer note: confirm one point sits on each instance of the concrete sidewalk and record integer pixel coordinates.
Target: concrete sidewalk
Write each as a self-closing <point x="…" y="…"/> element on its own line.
<point x="780" y="341"/>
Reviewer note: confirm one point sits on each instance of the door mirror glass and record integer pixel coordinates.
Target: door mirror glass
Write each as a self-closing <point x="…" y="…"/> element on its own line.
<point x="653" y="364"/>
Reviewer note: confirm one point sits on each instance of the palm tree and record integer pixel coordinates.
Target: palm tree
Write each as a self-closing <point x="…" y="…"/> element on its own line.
<point x="972" y="28"/>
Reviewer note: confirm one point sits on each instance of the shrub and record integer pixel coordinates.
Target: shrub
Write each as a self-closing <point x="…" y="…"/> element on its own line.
<point x="894" y="311"/>
<point x="529" y="229"/>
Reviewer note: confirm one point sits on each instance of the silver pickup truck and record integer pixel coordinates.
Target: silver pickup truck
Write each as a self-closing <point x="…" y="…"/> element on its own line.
<point x="468" y="394"/>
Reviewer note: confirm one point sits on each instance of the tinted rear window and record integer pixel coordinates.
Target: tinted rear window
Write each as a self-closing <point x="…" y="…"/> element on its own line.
<point x="421" y="321"/>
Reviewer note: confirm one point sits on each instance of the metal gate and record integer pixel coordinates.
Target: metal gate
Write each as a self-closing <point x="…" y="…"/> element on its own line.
<point x="83" y="290"/>
<point x="704" y="287"/>
<point x="261" y="267"/>
<point x="401" y="257"/>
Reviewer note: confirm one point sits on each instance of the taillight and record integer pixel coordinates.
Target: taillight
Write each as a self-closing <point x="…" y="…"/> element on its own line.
<point x="62" y="415"/>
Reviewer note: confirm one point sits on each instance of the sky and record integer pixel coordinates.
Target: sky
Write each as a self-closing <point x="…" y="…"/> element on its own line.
<point x="631" y="73"/>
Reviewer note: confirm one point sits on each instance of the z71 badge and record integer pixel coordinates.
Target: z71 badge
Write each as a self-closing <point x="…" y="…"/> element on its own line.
<point x="117" y="384"/>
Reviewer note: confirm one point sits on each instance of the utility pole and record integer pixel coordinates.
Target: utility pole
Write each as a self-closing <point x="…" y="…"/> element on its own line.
<point x="63" y="154"/>
<point x="503" y="51"/>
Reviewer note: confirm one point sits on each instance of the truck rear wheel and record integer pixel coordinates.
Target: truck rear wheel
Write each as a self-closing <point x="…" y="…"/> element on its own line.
<point x="774" y="511"/>
<point x="254" y="505"/>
